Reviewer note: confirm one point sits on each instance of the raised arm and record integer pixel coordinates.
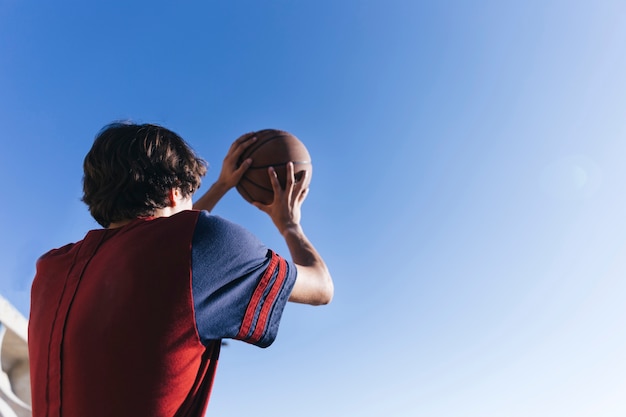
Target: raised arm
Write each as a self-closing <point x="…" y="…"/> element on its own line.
<point x="229" y="175"/>
<point x="314" y="284"/>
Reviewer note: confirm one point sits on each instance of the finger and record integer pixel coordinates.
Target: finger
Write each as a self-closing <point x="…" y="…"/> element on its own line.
<point x="302" y="195"/>
<point x="243" y="167"/>
<point x="291" y="177"/>
<point x="243" y="138"/>
<point x="303" y="182"/>
<point x="276" y="187"/>
<point x="245" y="164"/>
<point x="242" y="142"/>
<point x="274" y="180"/>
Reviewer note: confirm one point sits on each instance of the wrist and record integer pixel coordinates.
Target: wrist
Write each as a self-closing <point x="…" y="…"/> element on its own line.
<point x="210" y="198"/>
<point x="291" y="229"/>
<point x="220" y="186"/>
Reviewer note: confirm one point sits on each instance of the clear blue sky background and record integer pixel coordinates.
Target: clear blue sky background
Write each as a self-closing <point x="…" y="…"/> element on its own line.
<point x="468" y="187"/>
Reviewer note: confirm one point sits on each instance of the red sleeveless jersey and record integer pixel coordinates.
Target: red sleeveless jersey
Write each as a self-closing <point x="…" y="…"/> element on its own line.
<point x="113" y="329"/>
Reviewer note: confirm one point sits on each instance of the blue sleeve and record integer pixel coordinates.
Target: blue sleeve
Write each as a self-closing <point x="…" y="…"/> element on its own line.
<point x="240" y="287"/>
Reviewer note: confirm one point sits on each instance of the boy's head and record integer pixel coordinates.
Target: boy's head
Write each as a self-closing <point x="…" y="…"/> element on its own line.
<point x="131" y="169"/>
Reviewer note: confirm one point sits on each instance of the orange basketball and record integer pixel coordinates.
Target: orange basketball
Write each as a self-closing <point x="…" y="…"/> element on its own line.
<point x="273" y="148"/>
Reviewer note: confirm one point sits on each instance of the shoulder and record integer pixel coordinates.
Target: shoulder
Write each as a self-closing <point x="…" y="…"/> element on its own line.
<point x="208" y="220"/>
<point x="217" y="238"/>
<point x="63" y="250"/>
<point x="215" y="227"/>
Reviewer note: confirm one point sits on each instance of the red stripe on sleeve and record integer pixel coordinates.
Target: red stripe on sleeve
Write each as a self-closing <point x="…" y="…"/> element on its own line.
<point x="269" y="302"/>
<point x="248" y="317"/>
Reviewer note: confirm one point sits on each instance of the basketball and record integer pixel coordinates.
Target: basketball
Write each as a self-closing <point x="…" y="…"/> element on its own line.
<point x="273" y="148"/>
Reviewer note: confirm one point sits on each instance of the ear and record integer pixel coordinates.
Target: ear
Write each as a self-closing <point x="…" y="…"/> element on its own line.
<point x="174" y="196"/>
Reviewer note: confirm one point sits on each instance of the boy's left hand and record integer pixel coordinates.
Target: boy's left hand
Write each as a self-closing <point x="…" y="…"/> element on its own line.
<point x="231" y="173"/>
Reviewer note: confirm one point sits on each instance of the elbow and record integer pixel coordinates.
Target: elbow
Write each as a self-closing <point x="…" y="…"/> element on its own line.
<point x="326" y="294"/>
<point x="312" y="288"/>
<point x="330" y="292"/>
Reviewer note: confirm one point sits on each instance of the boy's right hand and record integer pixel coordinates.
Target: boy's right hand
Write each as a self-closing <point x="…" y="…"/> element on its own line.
<point x="285" y="210"/>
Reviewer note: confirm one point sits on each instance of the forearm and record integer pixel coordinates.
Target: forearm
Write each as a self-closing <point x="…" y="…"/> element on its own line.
<point x="314" y="284"/>
<point x="211" y="197"/>
<point x="230" y="174"/>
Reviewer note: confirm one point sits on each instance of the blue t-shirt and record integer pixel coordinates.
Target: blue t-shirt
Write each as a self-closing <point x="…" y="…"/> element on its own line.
<point x="240" y="287"/>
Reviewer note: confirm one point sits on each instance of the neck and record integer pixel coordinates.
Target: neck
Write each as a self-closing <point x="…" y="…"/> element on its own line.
<point x="162" y="212"/>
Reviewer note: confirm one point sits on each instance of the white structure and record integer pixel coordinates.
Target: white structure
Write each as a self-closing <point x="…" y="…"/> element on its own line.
<point x="15" y="370"/>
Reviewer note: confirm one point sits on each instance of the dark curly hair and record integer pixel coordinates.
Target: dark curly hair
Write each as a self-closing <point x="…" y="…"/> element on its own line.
<point x="131" y="168"/>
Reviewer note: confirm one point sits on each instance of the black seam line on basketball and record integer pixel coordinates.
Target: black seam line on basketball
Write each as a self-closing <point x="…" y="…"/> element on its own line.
<point x="254" y="148"/>
<point x="280" y="165"/>
<point x="256" y="184"/>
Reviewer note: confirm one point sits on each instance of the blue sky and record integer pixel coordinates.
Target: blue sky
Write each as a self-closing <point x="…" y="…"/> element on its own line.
<point x="467" y="190"/>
